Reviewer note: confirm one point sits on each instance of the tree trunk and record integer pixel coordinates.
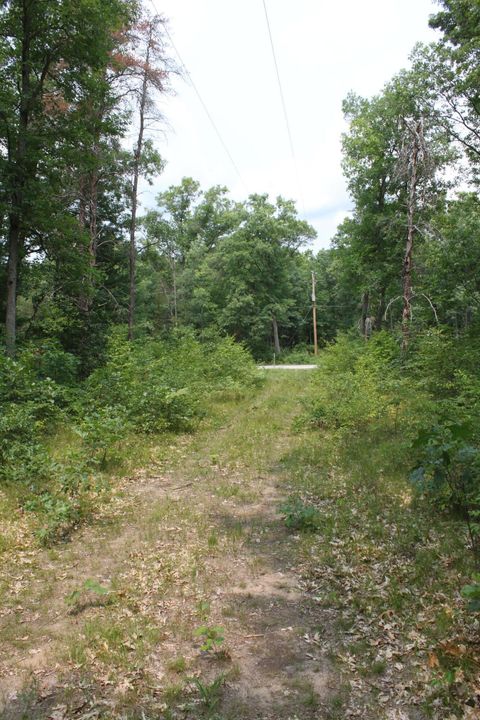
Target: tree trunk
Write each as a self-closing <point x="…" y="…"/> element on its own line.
<point x="365" y="309"/>
<point x="276" y="339"/>
<point x="133" y="253"/>
<point x="408" y="260"/>
<point x="18" y="190"/>
<point x="12" y="274"/>
<point x="136" y="173"/>
<point x="93" y="214"/>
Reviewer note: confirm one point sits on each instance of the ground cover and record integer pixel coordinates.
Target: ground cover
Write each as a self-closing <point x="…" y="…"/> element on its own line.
<point x="259" y="568"/>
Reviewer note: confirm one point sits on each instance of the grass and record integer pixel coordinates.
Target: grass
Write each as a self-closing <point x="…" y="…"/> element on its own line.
<point x="178" y="665"/>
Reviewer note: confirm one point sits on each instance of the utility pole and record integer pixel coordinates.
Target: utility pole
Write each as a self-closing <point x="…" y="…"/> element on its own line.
<point x="314" y="306"/>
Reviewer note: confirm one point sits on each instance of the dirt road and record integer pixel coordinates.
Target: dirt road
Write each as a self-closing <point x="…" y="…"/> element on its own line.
<point x="184" y="601"/>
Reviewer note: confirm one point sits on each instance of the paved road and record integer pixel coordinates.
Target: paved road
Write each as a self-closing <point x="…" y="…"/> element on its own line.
<point x="288" y="367"/>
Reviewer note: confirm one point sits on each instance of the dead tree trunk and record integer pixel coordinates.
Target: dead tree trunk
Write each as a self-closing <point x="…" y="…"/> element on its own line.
<point x="133" y="224"/>
<point x="415" y="152"/>
<point x="136" y="173"/>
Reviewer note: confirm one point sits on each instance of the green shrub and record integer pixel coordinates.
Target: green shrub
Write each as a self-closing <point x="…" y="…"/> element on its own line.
<point x="229" y="366"/>
<point x="102" y="430"/>
<point x="145" y="387"/>
<point x="20" y="383"/>
<point x="448" y="473"/>
<point x="357" y="382"/>
<point x="472" y="593"/>
<point x="162" y="385"/>
<point x="299" y="355"/>
<point x="211" y="636"/>
<point x="48" y="360"/>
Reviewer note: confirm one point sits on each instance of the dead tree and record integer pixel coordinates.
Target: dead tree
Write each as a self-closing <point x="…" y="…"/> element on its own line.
<point x="413" y="163"/>
<point x="146" y="70"/>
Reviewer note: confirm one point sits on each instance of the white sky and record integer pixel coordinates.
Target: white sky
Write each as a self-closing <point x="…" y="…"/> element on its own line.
<point x="324" y="50"/>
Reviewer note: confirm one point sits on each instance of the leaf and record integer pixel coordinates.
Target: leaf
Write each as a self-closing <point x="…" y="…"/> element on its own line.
<point x="454" y="650"/>
<point x="202" y="630"/>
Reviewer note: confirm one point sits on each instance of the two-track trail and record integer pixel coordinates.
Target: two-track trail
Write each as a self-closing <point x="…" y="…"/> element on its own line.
<point x="198" y="553"/>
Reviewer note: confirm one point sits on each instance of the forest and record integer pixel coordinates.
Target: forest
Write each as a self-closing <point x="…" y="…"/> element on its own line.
<point x="130" y="343"/>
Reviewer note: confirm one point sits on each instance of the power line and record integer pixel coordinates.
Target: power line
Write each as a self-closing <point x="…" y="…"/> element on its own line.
<point x="202" y="102"/>
<point x="284" y="105"/>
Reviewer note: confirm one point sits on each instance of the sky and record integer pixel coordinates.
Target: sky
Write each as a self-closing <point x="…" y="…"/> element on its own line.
<point x="324" y="51"/>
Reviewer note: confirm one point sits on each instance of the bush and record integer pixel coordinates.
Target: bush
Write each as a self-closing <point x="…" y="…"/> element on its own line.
<point x="101" y="431"/>
<point x="301" y="354"/>
<point x="229" y="366"/>
<point x="472" y="593"/>
<point x="448" y="473"/>
<point x="48" y="360"/>
<point x="162" y="385"/>
<point x="357" y="382"/>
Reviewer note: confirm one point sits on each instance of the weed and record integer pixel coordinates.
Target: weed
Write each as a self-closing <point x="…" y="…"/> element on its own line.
<point x="210" y="693"/>
<point x="378" y="667"/>
<point x="178" y="665"/>
<point x="299" y="516"/>
<point x="173" y="692"/>
<point x="73" y="599"/>
<point x="212" y="637"/>
<point x="472" y="593"/>
<point x="212" y="540"/>
<point x="203" y="609"/>
<point x="338" y="701"/>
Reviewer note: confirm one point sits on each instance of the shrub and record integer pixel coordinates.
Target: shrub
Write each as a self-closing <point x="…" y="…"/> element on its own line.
<point x="448" y="473"/>
<point x="48" y="360"/>
<point x="102" y="430"/>
<point x="357" y="382"/>
<point x="161" y="385"/>
<point x="472" y="593"/>
<point x="229" y="366"/>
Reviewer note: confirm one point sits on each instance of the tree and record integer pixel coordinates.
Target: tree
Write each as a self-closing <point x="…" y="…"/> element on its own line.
<point x="171" y="230"/>
<point x="449" y="74"/>
<point x="449" y="261"/>
<point x="394" y="189"/>
<point x="255" y="273"/>
<point x="45" y="50"/>
<point x="146" y="69"/>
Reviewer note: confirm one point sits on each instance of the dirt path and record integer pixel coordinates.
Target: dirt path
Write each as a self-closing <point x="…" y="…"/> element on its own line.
<point x="197" y="554"/>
